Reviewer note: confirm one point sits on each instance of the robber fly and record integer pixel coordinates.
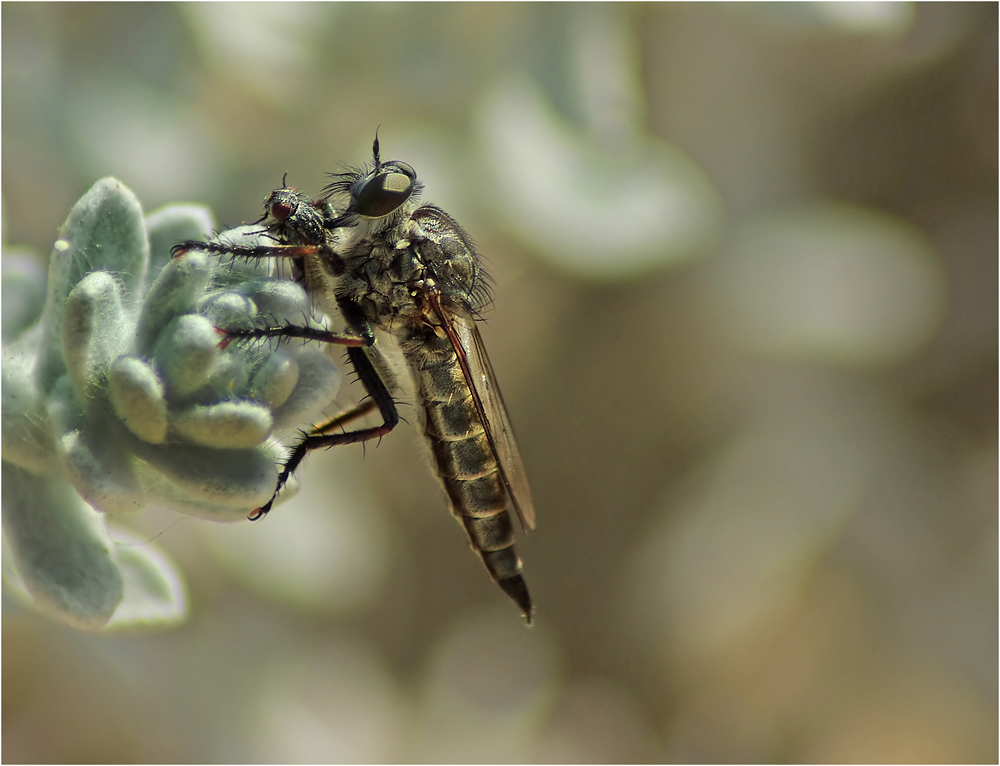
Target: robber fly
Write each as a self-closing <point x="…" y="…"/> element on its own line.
<point x="369" y="252"/>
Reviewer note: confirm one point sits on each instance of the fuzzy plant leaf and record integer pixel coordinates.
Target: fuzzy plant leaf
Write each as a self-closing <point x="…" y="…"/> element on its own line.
<point x="59" y="548"/>
<point x="153" y="593"/>
<point x="125" y="393"/>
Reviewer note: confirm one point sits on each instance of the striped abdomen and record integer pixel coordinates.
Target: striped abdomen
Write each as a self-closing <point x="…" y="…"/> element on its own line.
<point x="465" y="462"/>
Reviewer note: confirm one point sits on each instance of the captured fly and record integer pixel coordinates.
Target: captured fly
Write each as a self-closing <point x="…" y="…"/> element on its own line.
<point x="370" y="252"/>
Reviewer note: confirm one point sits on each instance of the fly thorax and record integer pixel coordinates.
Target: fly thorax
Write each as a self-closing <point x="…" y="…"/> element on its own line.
<point x="377" y="278"/>
<point x="449" y="254"/>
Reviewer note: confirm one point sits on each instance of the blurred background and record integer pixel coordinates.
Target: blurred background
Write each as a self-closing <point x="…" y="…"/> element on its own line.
<point x="746" y="325"/>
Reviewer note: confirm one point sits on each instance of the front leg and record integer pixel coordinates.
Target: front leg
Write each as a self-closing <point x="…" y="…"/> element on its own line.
<point x="320" y="437"/>
<point x="294" y="331"/>
<point x="248" y="251"/>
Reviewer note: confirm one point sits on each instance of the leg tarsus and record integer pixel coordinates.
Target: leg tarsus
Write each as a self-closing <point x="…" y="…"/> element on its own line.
<point x="320" y="437"/>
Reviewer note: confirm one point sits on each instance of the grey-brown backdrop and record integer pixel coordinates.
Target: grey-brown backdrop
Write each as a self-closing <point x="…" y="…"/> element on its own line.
<point x="746" y="324"/>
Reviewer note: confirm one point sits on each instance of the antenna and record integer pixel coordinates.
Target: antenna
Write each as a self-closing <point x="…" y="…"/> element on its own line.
<point x="378" y="161"/>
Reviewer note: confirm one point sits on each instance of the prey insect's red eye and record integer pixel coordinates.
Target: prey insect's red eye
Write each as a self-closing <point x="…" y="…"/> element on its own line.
<point x="280" y="211"/>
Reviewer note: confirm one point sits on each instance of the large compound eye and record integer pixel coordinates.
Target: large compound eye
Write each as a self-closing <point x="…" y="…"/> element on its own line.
<point x="385" y="191"/>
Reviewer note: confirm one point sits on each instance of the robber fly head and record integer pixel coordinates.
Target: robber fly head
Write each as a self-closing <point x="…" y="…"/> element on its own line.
<point x="379" y="191"/>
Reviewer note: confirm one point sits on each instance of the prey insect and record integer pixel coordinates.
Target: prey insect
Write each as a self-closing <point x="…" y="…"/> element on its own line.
<point x="371" y="254"/>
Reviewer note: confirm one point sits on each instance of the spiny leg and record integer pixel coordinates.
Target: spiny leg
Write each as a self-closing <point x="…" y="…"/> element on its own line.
<point x="294" y="252"/>
<point x="247" y="251"/>
<point x="321" y="438"/>
<point x="293" y="331"/>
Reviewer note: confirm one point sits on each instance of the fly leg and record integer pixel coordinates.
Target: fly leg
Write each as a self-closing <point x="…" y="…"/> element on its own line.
<point x="293" y="331"/>
<point x="330" y="433"/>
<point x="296" y="252"/>
<point x="248" y="251"/>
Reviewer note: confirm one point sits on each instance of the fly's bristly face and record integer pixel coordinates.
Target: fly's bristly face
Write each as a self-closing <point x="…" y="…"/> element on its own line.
<point x="376" y="194"/>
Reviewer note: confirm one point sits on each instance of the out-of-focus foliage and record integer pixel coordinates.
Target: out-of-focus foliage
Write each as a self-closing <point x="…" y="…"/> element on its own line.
<point x="746" y="267"/>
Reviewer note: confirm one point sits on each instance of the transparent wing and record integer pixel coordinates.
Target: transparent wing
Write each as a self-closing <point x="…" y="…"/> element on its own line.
<point x="468" y="344"/>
